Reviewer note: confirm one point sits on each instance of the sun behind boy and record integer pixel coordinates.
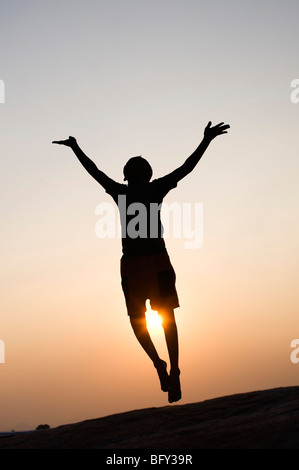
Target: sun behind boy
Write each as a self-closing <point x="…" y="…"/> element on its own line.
<point x="146" y="270"/>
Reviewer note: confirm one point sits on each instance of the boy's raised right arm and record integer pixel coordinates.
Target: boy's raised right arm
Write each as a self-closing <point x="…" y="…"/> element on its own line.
<point x="88" y="164"/>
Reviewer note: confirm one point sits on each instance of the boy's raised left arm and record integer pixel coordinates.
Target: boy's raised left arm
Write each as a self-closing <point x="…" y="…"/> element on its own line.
<point x="210" y="133"/>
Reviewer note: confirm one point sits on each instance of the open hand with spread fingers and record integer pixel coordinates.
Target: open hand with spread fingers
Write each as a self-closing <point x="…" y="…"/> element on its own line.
<point x="212" y="132"/>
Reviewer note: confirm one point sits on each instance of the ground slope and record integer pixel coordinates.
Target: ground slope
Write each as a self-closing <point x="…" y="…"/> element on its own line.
<point x="257" y="420"/>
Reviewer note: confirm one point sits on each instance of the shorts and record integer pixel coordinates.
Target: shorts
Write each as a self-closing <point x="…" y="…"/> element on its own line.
<point x="148" y="277"/>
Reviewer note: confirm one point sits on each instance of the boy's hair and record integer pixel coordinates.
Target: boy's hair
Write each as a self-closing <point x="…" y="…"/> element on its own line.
<point x="137" y="169"/>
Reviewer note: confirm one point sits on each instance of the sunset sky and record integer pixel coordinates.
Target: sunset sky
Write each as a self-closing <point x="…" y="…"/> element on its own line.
<point x="126" y="78"/>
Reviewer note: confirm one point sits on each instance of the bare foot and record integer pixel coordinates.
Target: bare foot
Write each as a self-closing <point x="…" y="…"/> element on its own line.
<point x="174" y="393"/>
<point x="161" y="367"/>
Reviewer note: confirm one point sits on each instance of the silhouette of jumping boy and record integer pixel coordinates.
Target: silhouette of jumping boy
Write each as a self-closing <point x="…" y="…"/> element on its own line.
<point x="146" y="270"/>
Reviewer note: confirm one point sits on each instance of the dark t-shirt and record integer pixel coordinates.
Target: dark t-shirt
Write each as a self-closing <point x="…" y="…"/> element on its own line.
<point x="140" y="206"/>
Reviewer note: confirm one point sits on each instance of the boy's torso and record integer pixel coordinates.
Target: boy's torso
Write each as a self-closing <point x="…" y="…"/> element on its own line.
<point x="140" y="215"/>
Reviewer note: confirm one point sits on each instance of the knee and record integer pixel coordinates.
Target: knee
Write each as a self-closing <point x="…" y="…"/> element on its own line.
<point x="138" y="323"/>
<point x="168" y="317"/>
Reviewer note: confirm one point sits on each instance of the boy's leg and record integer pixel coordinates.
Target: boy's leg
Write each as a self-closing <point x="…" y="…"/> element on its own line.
<point x="141" y="332"/>
<point x="171" y="336"/>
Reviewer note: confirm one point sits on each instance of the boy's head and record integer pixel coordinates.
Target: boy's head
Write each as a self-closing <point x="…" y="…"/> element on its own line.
<point x="137" y="170"/>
